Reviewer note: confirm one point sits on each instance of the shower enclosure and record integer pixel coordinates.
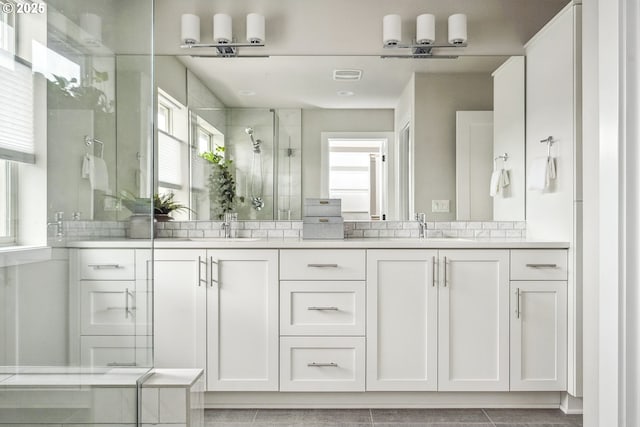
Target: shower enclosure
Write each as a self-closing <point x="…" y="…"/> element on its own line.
<point x="265" y="148"/>
<point x="76" y="113"/>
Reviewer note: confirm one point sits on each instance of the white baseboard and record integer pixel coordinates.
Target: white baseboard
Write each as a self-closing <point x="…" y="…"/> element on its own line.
<point x="570" y="405"/>
<point x="383" y="400"/>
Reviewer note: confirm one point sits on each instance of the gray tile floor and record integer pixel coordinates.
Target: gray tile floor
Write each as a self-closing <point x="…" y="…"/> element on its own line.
<point x="391" y="417"/>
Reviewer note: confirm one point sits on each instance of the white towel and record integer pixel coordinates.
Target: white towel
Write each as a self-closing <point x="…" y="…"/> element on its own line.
<point x="499" y="181"/>
<point x="494" y="186"/>
<point x="505" y="180"/>
<point x="543" y="170"/>
<point x="95" y="169"/>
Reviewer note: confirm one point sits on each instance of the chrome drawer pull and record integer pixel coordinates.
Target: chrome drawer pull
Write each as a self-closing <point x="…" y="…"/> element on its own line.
<point x="542" y="265"/>
<point x="323" y="265"/>
<point x="106" y="266"/>
<point x="518" y="312"/>
<point x="321" y="365"/>
<point x="323" y="308"/>
<point x="122" y="364"/>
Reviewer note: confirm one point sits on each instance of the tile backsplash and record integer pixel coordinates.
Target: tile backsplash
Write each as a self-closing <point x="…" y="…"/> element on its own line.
<point x="79" y="230"/>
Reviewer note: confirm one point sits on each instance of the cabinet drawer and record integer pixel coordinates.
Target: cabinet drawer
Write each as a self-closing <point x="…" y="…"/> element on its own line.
<point x="115" y="351"/>
<point x="539" y="264"/>
<point x="107" y="351"/>
<point x="322" y="308"/>
<point x="322" y="364"/>
<point x="107" y="308"/>
<point x="322" y="264"/>
<point x="107" y="264"/>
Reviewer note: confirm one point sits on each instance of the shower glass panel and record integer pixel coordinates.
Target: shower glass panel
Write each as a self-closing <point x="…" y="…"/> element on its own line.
<point x="264" y="147"/>
<point x="76" y="162"/>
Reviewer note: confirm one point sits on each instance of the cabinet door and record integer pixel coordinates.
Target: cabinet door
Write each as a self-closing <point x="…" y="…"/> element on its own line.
<point x="401" y="320"/>
<point x="179" y="320"/>
<point x="473" y="313"/>
<point x="538" y="336"/>
<point x="242" y="331"/>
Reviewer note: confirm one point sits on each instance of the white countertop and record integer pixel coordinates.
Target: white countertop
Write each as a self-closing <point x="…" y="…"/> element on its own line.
<point x="382" y="243"/>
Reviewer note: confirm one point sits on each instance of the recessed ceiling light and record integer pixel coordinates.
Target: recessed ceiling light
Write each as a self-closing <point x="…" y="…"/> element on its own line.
<point x="246" y="92"/>
<point x="345" y="93"/>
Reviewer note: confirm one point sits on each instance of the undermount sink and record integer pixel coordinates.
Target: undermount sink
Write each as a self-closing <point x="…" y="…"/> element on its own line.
<point x="224" y="239"/>
<point x="428" y="239"/>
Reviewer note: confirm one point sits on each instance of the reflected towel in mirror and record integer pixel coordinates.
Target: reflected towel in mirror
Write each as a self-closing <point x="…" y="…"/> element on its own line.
<point x="95" y="169"/>
<point x="499" y="180"/>
<point x="542" y="172"/>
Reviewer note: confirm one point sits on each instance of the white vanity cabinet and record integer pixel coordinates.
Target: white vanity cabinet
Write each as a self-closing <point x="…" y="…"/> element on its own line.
<point x="218" y="310"/>
<point x="538" y="320"/>
<point x="109" y="328"/>
<point x="242" y="320"/>
<point x="473" y="320"/>
<point x="322" y="320"/>
<point x="438" y="320"/>
<point x="180" y="308"/>
<point x="402" y="320"/>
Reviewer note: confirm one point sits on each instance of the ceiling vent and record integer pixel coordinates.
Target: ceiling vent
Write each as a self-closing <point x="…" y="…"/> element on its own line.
<point x="347" y="75"/>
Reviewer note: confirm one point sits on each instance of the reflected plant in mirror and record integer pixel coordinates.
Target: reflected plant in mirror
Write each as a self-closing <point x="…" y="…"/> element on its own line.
<point x="221" y="183"/>
<point x="164" y="204"/>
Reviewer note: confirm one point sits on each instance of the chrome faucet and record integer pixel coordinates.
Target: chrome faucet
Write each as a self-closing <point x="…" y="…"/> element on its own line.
<point x="228" y="220"/>
<point x="422" y="223"/>
<point x="58" y="223"/>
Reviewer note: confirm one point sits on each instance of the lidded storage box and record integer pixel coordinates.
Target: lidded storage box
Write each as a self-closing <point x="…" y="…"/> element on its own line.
<point x="323" y="219"/>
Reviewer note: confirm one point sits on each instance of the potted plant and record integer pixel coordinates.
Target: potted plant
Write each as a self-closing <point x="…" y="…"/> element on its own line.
<point x="83" y="96"/>
<point x="136" y="205"/>
<point x="163" y="205"/>
<point x="222" y="185"/>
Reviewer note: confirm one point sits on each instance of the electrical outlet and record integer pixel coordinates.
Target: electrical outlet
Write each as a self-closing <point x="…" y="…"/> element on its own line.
<point x="440" y="206"/>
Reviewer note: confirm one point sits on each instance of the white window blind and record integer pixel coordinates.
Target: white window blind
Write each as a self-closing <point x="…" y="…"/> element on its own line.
<point x="16" y="113"/>
<point x="170" y="155"/>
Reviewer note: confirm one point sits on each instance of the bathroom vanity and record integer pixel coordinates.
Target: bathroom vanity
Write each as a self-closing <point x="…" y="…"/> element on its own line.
<point x="389" y="320"/>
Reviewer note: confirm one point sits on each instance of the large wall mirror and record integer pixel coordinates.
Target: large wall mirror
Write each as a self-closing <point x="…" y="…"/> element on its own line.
<point x="390" y="137"/>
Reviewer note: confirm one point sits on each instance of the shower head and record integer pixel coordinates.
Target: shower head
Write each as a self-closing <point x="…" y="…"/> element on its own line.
<point x="249" y="131"/>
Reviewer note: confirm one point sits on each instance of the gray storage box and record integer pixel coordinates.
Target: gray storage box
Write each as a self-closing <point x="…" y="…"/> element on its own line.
<point x="323" y="227"/>
<point x="322" y="207"/>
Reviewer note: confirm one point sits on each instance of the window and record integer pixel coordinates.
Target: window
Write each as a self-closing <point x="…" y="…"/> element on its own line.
<point x="164" y="118"/>
<point x="204" y="140"/>
<point x="173" y="150"/>
<point x="7" y="30"/>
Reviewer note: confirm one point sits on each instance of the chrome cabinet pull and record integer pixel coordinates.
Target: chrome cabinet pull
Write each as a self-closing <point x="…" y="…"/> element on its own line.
<point x="542" y="265"/>
<point x="323" y="308"/>
<point x="200" y="279"/>
<point x="122" y="364"/>
<point x="433" y="271"/>
<point x="320" y="365"/>
<point x="126" y="303"/>
<point x="215" y="278"/>
<point x="445" y="272"/>
<point x="106" y="266"/>
<point x="518" y="312"/>
<point x="323" y="265"/>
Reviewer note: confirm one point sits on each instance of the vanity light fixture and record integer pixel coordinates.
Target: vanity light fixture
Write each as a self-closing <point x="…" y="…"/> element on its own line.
<point x="424" y="43"/>
<point x="223" y="40"/>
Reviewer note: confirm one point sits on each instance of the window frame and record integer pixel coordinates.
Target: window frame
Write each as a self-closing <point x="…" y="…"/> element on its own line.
<point x="11" y="204"/>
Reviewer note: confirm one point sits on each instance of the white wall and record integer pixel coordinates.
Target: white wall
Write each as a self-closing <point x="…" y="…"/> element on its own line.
<point x="404" y="116"/>
<point x="314" y="122"/>
<point x="437" y="98"/>
<point x="509" y="135"/>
